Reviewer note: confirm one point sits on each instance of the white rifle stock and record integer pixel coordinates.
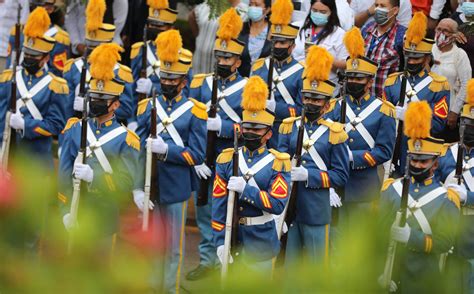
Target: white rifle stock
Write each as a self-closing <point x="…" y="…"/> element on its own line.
<point x="147" y="188"/>
<point x="228" y="234"/>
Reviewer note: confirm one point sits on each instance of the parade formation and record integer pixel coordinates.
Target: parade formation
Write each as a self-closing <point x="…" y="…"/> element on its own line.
<point x="282" y="165"/>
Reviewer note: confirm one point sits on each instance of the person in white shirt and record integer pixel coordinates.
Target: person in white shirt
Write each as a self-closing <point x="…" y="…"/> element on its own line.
<point x="344" y="12"/>
<point x="8" y="14"/>
<point x="364" y="11"/>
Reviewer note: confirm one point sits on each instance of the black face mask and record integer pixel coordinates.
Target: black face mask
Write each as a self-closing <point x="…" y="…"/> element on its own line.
<point x="31" y="65"/>
<point x="151" y="34"/>
<point x="98" y="108"/>
<point x="280" y="54"/>
<point x="56" y="16"/>
<point x="420" y="174"/>
<point x="468" y="140"/>
<point x="224" y="71"/>
<point x="312" y="112"/>
<point x="169" y="91"/>
<point x="252" y="141"/>
<point x="414" y="68"/>
<point x="356" y="90"/>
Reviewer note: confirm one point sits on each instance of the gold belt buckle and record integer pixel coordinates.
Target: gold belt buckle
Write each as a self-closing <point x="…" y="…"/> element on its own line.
<point x="307" y="144"/>
<point x="167" y="121"/>
<point x="242" y="220"/>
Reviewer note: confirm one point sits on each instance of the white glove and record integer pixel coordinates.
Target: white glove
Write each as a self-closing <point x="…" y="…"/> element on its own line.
<point x="460" y="189"/>
<point x="139" y="199"/>
<point x="79" y="103"/>
<point x="400" y="234"/>
<point x="132" y="126"/>
<point x="393" y="286"/>
<point x="203" y="171"/>
<point x="400" y="110"/>
<point x="271" y="105"/>
<point x="67" y="222"/>
<point x="144" y="86"/>
<point x="16" y="121"/>
<point x="214" y="124"/>
<point x="158" y="145"/>
<point x="351" y="156"/>
<point x="236" y="184"/>
<point x="334" y="199"/>
<point x="299" y="174"/>
<point x="83" y="172"/>
<point x="220" y="255"/>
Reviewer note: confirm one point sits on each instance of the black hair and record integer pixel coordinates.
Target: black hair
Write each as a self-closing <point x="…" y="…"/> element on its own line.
<point x="333" y="20"/>
<point x="395" y="3"/>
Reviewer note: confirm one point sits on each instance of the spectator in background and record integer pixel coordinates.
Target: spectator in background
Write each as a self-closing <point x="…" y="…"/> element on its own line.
<point x="8" y="13"/>
<point x="322" y="28"/>
<point x="465" y="36"/>
<point x="384" y="41"/>
<point x="364" y="11"/>
<point x="255" y="35"/>
<point x="344" y="12"/>
<point x="452" y="62"/>
<point x="204" y="30"/>
<point x="431" y="8"/>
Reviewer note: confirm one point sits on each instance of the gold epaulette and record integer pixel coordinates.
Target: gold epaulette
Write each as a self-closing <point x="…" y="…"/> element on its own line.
<point x="132" y="140"/>
<point x="439" y="83"/>
<point x="198" y="80"/>
<point x="258" y="64"/>
<point x="70" y="123"/>
<point x="199" y="109"/>
<point x="453" y="196"/>
<point x="136" y="49"/>
<point x="303" y="63"/>
<point x="68" y="64"/>
<point x="286" y="126"/>
<point x="142" y="105"/>
<point x="282" y="161"/>
<point x="225" y="156"/>
<point x="337" y="134"/>
<point x="58" y="85"/>
<point x="186" y="53"/>
<point x="6" y="75"/>
<point x="391" y="79"/>
<point x="62" y="37"/>
<point x="387" y="183"/>
<point x="332" y="104"/>
<point x="125" y="73"/>
<point x="387" y="108"/>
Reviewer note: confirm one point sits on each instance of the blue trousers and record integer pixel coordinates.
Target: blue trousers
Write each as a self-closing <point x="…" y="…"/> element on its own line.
<point x="310" y="242"/>
<point x="207" y="250"/>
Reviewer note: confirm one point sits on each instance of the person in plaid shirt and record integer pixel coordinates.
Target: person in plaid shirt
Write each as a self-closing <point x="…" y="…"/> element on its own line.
<point x="384" y="41"/>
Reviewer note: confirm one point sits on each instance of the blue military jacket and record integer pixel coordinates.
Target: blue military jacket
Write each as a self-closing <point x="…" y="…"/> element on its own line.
<point x="287" y="85"/>
<point x="43" y="113"/>
<point x="72" y="73"/>
<point x="325" y="157"/>
<point x="420" y="265"/>
<point x="370" y="125"/>
<point x="176" y="172"/>
<point x="57" y="57"/>
<point x="260" y="242"/>
<point x="446" y="172"/>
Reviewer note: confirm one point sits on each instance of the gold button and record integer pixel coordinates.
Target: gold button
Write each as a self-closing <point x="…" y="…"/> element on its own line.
<point x="358" y="108"/>
<point x="253" y="202"/>
<point x="97" y="132"/>
<point x="169" y="108"/>
<point x="466" y="157"/>
<point x="249" y="160"/>
<point x="310" y="131"/>
<point x="304" y="162"/>
<point x="218" y="109"/>
<point x="416" y="190"/>
<point x="165" y="131"/>
<point x="241" y="208"/>
<point x="351" y="140"/>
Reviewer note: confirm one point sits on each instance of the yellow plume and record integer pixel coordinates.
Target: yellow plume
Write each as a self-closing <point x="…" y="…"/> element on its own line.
<point x="255" y="94"/>
<point x="168" y="45"/>
<point x="416" y="30"/>
<point x="37" y="24"/>
<point x="318" y="64"/>
<point x="281" y="12"/>
<point x="158" y="4"/>
<point x="418" y="120"/>
<point x="470" y="92"/>
<point x="354" y="43"/>
<point x="230" y="25"/>
<point x="103" y="59"/>
<point x="95" y="14"/>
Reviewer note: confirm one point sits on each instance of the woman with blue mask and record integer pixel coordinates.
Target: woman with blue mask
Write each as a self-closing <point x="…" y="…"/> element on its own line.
<point x="464" y="16"/>
<point x="255" y="34"/>
<point x="322" y="27"/>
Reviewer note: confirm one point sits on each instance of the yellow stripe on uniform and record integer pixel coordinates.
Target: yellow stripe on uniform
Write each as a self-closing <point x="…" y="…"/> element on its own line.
<point x="370" y="159"/>
<point x="188" y="158"/>
<point x="42" y="132"/>
<point x="110" y="182"/>
<point x="264" y="197"/>
<point x="181" y="237"/>
<point x="325" y="179"/>
<point x="217" y="226"/>
<point x="62" y="198"/>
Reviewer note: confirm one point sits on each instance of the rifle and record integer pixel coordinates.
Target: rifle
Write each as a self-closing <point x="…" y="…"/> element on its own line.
<point x="392" y="263"/>
<point x="399" y="139"/>
<point x="9" y="134"/>
<point x="151" y="169"/>
<point x="82" y="83"/>
<point x="79" y="185"/>
<point x="231" y="241"/>
<point x="459" y="159"/>
<point x="271" y="66"/>
<point x="143" y="74"/>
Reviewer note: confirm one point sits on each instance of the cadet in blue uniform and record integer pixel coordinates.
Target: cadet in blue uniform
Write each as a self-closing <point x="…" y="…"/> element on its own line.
<point x="112" y="156"/>
<point x="262" y="186"/>
<point x="40" y="94"/>
<point x="229" y="112"/>
<point x="287" y="74"/>
<point x="421" y="83"/>
<point x="461" y="264"/>
<point x="60" y="52"/>
<point x="161" y="18"/>
<point x="370" y="125"/>
<point x="325" y="162"/>
<point x="433" y="211"/>
<point x="180" y="145"/>
<point x="97" y="33"/>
